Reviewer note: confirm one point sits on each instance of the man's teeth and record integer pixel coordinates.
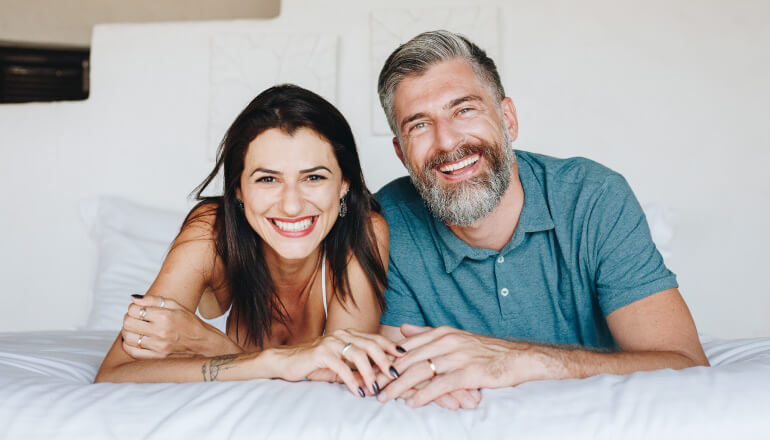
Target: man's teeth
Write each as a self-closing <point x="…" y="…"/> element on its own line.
<point x="462" y="164"/>
<point x="294" y="226"/>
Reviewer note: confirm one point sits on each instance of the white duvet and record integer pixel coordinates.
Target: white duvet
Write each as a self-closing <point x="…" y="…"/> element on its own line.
<point x="46" y="392"/>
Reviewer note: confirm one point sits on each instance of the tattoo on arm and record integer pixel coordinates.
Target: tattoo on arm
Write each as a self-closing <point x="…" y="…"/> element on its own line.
<point x="214" y="365"/>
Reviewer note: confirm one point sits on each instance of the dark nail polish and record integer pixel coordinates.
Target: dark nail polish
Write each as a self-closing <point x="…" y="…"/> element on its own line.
<point x="361" y="392"/>
<point x="393" y="372"/>
<point x="137" y="296"/>
<point x="376" y="387"/>
<point x="400" y="349"/>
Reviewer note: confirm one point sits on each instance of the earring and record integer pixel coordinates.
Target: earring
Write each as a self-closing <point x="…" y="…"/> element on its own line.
<point x="343" y="208"/>
<point x="240" y="203"/>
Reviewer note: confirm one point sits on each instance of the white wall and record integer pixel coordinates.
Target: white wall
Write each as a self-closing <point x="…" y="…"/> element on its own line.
<point x="671" y="94"/>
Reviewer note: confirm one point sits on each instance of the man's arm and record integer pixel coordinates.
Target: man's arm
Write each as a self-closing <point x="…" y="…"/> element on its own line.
<point x="653" y="333"/>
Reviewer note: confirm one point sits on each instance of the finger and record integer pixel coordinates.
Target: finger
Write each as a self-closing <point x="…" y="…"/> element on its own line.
<point x="136" y="325"/>
<point x="475" y="394"/>
<point x="374" y="351"/>
<point x="464" y="398"/>
<point x="421" y="354"/>
<point x="447" y="401"/>
<point x="409" y="330"/>
<point x="408" y="379"/>
<point x="361" y="360"/>
<point x="384" y="343"/>
<point x="426" y="336"/>
<point x="156" y="301"/>
<point x="446" y="383"/>
<point x="324" y="375"/>
<point x="136" y="311"/>
<point x="139" y="353"/>
<point x="343" y="371"/>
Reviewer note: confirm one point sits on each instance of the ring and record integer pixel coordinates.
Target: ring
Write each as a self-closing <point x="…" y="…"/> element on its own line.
<point x="432" y="367"/>
<point x="162" y="302"/>
<point x="139" y="341"/>
<point x="142" y="312"/>
<point x="346" y="348"/>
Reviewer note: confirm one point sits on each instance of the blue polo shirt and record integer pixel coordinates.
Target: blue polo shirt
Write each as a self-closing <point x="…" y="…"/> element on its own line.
<point x="581" y="250"/>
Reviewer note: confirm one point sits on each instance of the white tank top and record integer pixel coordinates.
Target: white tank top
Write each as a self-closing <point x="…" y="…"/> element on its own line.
<point x="220" y="322"/>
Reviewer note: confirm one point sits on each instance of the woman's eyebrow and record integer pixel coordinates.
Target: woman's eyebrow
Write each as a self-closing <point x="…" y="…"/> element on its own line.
<point x="310" y="170"/>
<point x="264" y="170"/>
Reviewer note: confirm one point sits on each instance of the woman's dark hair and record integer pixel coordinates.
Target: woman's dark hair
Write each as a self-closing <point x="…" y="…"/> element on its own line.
<point x="254" y="300"/>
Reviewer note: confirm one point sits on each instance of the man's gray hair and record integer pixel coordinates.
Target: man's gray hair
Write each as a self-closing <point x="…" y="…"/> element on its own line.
<point x="423" y="51"/>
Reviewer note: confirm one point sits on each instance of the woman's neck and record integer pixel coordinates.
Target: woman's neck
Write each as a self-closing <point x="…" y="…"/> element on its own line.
<point x="291" y="277"/>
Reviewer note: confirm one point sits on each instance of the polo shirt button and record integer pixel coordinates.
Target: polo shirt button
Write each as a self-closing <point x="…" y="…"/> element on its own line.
<point x="500" y="259"/>
<point x="504" y="291"/>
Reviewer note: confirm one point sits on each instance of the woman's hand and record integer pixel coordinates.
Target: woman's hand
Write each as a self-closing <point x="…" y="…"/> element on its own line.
<point x="334" y="356"/>
<point x="156" y="328"/>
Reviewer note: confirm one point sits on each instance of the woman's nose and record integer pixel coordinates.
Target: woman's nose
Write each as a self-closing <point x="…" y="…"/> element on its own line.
<point x="291" y="200"/>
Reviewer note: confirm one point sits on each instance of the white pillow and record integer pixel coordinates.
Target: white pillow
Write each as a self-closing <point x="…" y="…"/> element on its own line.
<point x="132" y="240"/>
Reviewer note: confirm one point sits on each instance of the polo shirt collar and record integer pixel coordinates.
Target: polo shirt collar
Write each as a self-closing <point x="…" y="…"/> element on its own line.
<point x="535" y="216"/>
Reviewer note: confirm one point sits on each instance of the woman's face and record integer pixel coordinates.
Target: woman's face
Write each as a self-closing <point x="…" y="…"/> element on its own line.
<point x="291" y="188"/>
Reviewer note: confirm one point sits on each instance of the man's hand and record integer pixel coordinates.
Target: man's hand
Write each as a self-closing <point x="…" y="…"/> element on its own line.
<point x="462" y="360"/>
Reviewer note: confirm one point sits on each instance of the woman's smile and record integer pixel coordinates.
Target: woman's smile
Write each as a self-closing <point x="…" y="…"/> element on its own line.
<point x="297" y="227"/>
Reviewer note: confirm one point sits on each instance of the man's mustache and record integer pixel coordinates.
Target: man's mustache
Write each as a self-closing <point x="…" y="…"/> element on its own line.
<point x="458" y="154"/>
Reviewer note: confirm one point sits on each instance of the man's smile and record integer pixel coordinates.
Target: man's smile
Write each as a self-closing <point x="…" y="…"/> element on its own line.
<point x="460" y="169"/>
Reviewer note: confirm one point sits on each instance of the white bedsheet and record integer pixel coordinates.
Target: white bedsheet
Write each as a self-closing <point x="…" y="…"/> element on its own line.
<point x="45" y="392"/>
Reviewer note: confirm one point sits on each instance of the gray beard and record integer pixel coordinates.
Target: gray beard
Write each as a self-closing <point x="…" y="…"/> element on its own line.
<point x="464" y="203"/>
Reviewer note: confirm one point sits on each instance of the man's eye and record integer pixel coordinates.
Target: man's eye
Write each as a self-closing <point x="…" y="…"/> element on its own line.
<point x="266" y="179"/>
<point x="464" y="110"/>
<point x="418" y="126"/>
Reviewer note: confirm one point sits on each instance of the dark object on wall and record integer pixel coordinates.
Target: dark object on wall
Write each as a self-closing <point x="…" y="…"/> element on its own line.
<point x="31" y="73"/>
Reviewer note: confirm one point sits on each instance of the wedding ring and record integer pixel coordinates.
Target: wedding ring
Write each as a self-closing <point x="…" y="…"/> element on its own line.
<point x="432" y="367"/>
<point x="162" y="302"/>
<point x="346" y="348"/>
<point x="142" y="313"/>
<point x="139" y="341"/>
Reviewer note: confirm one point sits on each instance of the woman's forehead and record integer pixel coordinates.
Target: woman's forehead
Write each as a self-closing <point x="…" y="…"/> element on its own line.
<point x="302" y="149"/>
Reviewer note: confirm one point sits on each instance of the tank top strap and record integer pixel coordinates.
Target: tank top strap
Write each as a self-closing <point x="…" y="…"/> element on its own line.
<point x="323" y="284"/>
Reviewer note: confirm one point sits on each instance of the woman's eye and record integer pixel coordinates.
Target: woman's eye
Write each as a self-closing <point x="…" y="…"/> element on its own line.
<point x="315" y="177"/>
<point x="266" y="179"/>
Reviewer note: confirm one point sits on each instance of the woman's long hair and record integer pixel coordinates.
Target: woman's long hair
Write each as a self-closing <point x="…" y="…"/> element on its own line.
<point x="254" y="299"/>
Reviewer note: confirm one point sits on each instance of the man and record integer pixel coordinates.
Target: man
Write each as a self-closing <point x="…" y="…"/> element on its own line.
<point x="507" y="266"/>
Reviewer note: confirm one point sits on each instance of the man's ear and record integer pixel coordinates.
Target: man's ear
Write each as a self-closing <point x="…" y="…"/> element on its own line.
<point x="511" y="121"/>
<point x="399" y="152"/>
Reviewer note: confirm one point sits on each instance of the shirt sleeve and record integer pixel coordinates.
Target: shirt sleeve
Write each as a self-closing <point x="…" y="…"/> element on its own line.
<point x="628" y="266"/>
<point x="400" y="303"/>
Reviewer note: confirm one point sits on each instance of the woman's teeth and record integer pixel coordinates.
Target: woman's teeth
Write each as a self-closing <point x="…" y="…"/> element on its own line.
<point x="294" y="226"/>
<point x="458" y="165"/>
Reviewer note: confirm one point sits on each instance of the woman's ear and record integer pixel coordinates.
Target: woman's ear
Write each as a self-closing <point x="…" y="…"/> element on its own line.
<point x="238" y="193"/>
<point x="344" y="188"/>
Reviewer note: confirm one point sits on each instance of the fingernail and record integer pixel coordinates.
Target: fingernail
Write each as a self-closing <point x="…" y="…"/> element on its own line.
<point x="400" y="349"/>
<point x="410" y="402"/>
<point x="469" y="403"/>
<point x="376" y="387"/>
<point x="393" y="372"/>
<point x="361" y="392"/>
<point x="137" y="296"/>
<point x="382" y="397"/>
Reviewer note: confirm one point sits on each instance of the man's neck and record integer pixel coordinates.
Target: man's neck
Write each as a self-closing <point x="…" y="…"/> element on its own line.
<point x="495" y="230"/>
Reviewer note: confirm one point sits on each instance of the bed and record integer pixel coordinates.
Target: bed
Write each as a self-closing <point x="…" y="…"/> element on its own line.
<point x="46" y="389"/>
<point x="46" y="392"/>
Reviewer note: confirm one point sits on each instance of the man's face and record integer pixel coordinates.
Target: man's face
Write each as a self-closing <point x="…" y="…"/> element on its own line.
<point x="455" y="141"/>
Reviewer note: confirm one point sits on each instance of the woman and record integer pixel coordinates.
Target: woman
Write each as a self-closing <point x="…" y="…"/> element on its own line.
<point x="293" y="250"/>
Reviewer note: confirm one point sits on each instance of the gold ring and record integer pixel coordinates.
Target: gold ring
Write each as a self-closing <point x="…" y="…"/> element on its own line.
<point x="142" y="313"/>
<point x="162" y="302"/>
<point x="432" y="367"/>
<point x="346" y="348"/>
<point x="139" y="341"/>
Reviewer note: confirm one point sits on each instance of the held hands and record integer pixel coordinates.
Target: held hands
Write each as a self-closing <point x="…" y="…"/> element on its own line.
<point x="445" y="364"/>
<point x="330" y="357"/>
<point x="156" y="328"/>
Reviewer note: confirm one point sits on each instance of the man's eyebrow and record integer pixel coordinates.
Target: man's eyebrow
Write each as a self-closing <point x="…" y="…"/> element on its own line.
<point x="458" y="101"/>
<point x="412" y="118"/>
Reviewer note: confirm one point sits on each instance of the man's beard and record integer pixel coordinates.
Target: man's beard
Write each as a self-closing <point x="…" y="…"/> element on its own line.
<point x="465" y="202"/>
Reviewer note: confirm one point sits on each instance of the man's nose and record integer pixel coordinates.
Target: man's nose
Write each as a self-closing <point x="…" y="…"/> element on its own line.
<point x="291" y="200"/>
<point x="447" y="138"/>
